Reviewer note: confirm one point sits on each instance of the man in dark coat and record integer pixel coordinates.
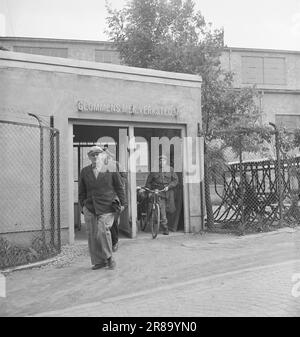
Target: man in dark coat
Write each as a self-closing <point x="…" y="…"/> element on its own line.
<point x="166" y="179"/>
<point x="99" y="187"/>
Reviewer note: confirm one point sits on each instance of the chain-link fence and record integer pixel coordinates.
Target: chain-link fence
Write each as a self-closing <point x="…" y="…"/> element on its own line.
<point x="30" y="193"/>
<point x="251" y="181"/>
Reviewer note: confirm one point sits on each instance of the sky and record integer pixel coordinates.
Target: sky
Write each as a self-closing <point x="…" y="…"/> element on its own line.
<point x="267" y="24"/>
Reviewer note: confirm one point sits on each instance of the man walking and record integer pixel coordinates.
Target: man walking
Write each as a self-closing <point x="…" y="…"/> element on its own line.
<point x="99" y="187"/>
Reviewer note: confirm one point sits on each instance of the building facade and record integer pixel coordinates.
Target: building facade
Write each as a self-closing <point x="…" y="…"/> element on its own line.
<point x="71" y="82"/>
<point x="94" y="51"/>
<point x="90" y="103"/>
<point x="275" y="73"/>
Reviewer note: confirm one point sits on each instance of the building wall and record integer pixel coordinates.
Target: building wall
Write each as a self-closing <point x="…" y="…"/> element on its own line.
<point x="269" y="69"/>
<point x="73" y="49"/>
<point x="284" y="104"/>
<point x="276" y="74"/>
<point x="51" y="86"/>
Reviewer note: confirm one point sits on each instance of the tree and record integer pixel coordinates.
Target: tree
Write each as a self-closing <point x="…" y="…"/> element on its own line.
<point x="164" y="34"/>
<point x="170" y="35"/>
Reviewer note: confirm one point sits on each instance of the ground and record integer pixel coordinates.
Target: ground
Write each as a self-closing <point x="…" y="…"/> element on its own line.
<point x="179" y="275"/>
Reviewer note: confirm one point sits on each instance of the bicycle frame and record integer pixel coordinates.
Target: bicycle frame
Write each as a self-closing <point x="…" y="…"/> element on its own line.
<point x="154" y="218"/>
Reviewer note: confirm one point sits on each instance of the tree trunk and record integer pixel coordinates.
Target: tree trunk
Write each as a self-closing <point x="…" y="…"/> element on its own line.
<point x="208" y="203"/>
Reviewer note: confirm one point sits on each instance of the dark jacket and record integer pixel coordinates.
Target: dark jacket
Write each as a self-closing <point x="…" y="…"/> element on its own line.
<point x="160" y="180"/>
<point x="98" y="194"/>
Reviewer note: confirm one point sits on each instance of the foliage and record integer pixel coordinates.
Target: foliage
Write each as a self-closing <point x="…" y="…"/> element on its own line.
<point x="164" y="34"/>
<point x="289" y="140"/>
<point x="215" y="156"/>
<point x="297" y="138"/>
<point x="171" y="35"/>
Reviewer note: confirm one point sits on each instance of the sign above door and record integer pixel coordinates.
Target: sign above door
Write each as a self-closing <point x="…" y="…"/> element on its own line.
<point x="131" y="109"/>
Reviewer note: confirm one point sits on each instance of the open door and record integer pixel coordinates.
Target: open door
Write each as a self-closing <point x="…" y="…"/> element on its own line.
<point x="125" y="225"/>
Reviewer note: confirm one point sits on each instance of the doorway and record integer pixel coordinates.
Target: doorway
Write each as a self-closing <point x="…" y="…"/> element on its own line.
<point x="145" y="159"/>
<point x="138" y="169"/>
<point x="85" y="136"/>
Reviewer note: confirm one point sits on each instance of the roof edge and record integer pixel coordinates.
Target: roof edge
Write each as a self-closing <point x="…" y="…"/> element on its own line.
<point x="50" y="39"/>
<point x="262" y="50"/>
<point x="73" y="63"/>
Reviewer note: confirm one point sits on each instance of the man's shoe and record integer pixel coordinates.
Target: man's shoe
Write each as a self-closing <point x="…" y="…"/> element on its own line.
<point x="111" y="263"/>
<point x="166" y="232"/>
<point x="115" y="247"/>
<point x="99" y="265"/>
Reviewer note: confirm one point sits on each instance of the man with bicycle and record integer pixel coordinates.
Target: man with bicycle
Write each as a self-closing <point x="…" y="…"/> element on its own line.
<point x="166" y="179"/>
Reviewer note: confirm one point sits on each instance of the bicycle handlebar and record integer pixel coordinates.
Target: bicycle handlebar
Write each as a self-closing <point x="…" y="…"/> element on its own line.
<point x="151" y="191"/>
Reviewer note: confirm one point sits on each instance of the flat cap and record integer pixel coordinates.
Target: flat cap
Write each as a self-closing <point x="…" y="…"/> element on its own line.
<point x="95" y="149"/>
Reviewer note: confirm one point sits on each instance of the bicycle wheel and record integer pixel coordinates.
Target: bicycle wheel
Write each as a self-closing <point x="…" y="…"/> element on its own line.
<point x="155" y="220"/>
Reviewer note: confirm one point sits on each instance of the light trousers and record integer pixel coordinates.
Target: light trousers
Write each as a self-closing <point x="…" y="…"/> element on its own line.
<point x="99" y="236"/>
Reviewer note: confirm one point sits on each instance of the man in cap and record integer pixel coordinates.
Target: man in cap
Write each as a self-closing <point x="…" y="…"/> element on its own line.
<point x="166" y="179"/>
<point x="99" y="188"/>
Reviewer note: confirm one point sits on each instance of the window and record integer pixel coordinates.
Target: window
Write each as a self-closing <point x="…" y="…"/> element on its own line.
<point x="263" y="70"/>
<point x="107" y="56"/>
<point x="252" y="69"/>
<point x="56" y="52"/>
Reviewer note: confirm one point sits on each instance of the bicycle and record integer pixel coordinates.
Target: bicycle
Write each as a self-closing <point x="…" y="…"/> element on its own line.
<point x="154" y="216"/>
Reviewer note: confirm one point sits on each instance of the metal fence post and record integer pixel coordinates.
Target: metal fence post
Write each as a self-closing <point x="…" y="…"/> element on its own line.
<point x="52" y="183"/>
<point x="278" y="173"/>
<point x="58" y="189"/>
<point x="242" y="189"/>
<point x="41" y="177"/>
<point x="208" y="203"/>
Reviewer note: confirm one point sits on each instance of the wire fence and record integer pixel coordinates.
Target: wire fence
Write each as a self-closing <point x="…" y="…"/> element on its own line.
<point x="251" y="181"/>
<point x="29" y="194"/>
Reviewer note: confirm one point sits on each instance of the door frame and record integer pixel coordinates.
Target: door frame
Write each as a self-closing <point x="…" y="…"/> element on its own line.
<point x="132" y="175"/>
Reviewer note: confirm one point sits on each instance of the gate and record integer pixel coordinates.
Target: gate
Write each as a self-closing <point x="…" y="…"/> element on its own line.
<point x="29" y="194"/>
<point x="252" y="188"/>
